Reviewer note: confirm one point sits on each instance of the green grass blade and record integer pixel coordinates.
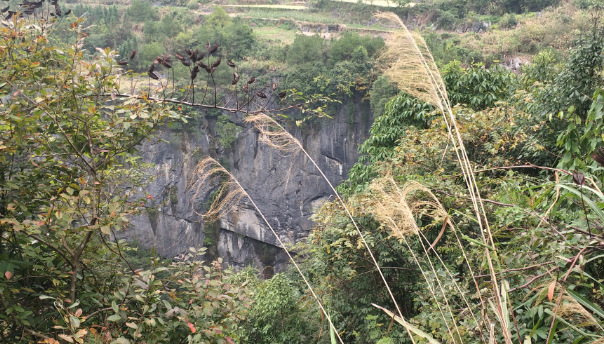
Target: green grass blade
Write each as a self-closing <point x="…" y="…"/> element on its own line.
<point x="586" y="303"/>
<point x="596" y="192"/>
<point x="549" y="312"/>
<point x="408" y="326"/>
<point x="332" y="335"/>
<point x="588" y="201"/>
<point x="593" y="258"/>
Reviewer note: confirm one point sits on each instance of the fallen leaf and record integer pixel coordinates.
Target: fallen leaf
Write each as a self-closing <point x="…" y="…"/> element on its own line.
<point x="550" y="291"/>
<point x="192" y="328"/>
<point x="8" y="275"/>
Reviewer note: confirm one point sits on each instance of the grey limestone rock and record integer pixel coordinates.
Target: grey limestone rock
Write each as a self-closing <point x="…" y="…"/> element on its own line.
<point x="286" y="188"/>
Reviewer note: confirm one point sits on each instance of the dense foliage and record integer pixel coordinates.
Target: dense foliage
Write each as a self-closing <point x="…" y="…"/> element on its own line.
<point x="337" y="67"/>
<point x="68" y="179"/>
<point x="69" y="175"/>
<point x="546" y="219"/>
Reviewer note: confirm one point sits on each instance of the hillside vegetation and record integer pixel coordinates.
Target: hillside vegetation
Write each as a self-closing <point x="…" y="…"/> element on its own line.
<point x="474" y="215"/>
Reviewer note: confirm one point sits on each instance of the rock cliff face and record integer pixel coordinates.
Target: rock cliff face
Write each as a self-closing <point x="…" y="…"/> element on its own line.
<point x="286" y="188"/>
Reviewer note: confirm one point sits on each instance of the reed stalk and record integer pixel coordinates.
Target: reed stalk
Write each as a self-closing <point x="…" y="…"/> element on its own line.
<point x="230" y="193"/>
<point x="275" y="136"/>
<point x="407" y="50"/>
<point x="397" y="209"/>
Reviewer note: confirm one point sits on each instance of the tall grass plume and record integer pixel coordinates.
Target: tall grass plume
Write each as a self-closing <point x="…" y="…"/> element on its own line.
<point x="210" y="174"/>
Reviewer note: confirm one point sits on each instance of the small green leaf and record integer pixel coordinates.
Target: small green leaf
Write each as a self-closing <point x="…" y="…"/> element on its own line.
<point x="75" y="322"/>
<point x="541" y="333"/>
<point x="75" y="304"/>
<point x="114" y="317"/>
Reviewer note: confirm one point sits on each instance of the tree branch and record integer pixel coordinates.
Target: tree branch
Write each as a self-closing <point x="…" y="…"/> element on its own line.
<point x="51" y="246"/>
<point x="97" y="312"/>
<point x="34" y="333"/>
<point x="519" y="269"/>
<point x="533" y="280"/>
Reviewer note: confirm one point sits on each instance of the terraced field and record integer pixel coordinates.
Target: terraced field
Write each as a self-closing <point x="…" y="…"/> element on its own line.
<point x="284" y="7"/>
<point x="275" y="34"/>
<point x="380" y="3"/>
<point x="264" y="13"/>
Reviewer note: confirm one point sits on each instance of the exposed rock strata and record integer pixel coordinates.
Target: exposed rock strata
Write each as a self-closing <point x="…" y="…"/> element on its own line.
<point x="287" y="189"/>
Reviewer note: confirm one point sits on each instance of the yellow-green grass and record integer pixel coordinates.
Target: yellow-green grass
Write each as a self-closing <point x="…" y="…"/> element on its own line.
<point x="380" y="3"/>
<point x="261" y="13"/>
<point x="283" y="7"/>
<point x="553" y="28"/>
<point x="275" y="33"/>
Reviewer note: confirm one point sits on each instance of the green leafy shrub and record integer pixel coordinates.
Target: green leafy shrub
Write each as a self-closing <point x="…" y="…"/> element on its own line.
<point x="147" y="54"/>
<point x="278" y="313"/>
<point x="382" y="91"/>
<point x="142" y="11"/>
<point x="400" y="113"/>
<point x="477" y="87"/>
<point x="446" y="20"/>
<point x="359" y="55"/>
<point x="306" y="49"/>
<point x="342" y="49"/>
<point x="508" y="21"/>
<point x="226" y="130"/>
<point x="63" y="278"/>
<point x="178" y="308"/>
<point x="193" y="4"/>
<point x="219" y="17"/>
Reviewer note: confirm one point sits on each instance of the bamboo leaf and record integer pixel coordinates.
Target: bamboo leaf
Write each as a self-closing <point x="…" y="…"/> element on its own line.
<point x="588" y="201"/>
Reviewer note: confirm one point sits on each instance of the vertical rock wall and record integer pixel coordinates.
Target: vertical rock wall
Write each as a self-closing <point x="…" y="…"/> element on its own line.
<point x="286" y="188"/>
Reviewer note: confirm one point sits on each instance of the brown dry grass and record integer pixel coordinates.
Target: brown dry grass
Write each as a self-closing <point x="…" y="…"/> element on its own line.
<point x="209" y="175"/>
<point x="397" y="209"/>
<point x="212" y="176"/>
<point x="424" y="82"/>
<point x="410" y="64"/>
<point x="273" y="135"/>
